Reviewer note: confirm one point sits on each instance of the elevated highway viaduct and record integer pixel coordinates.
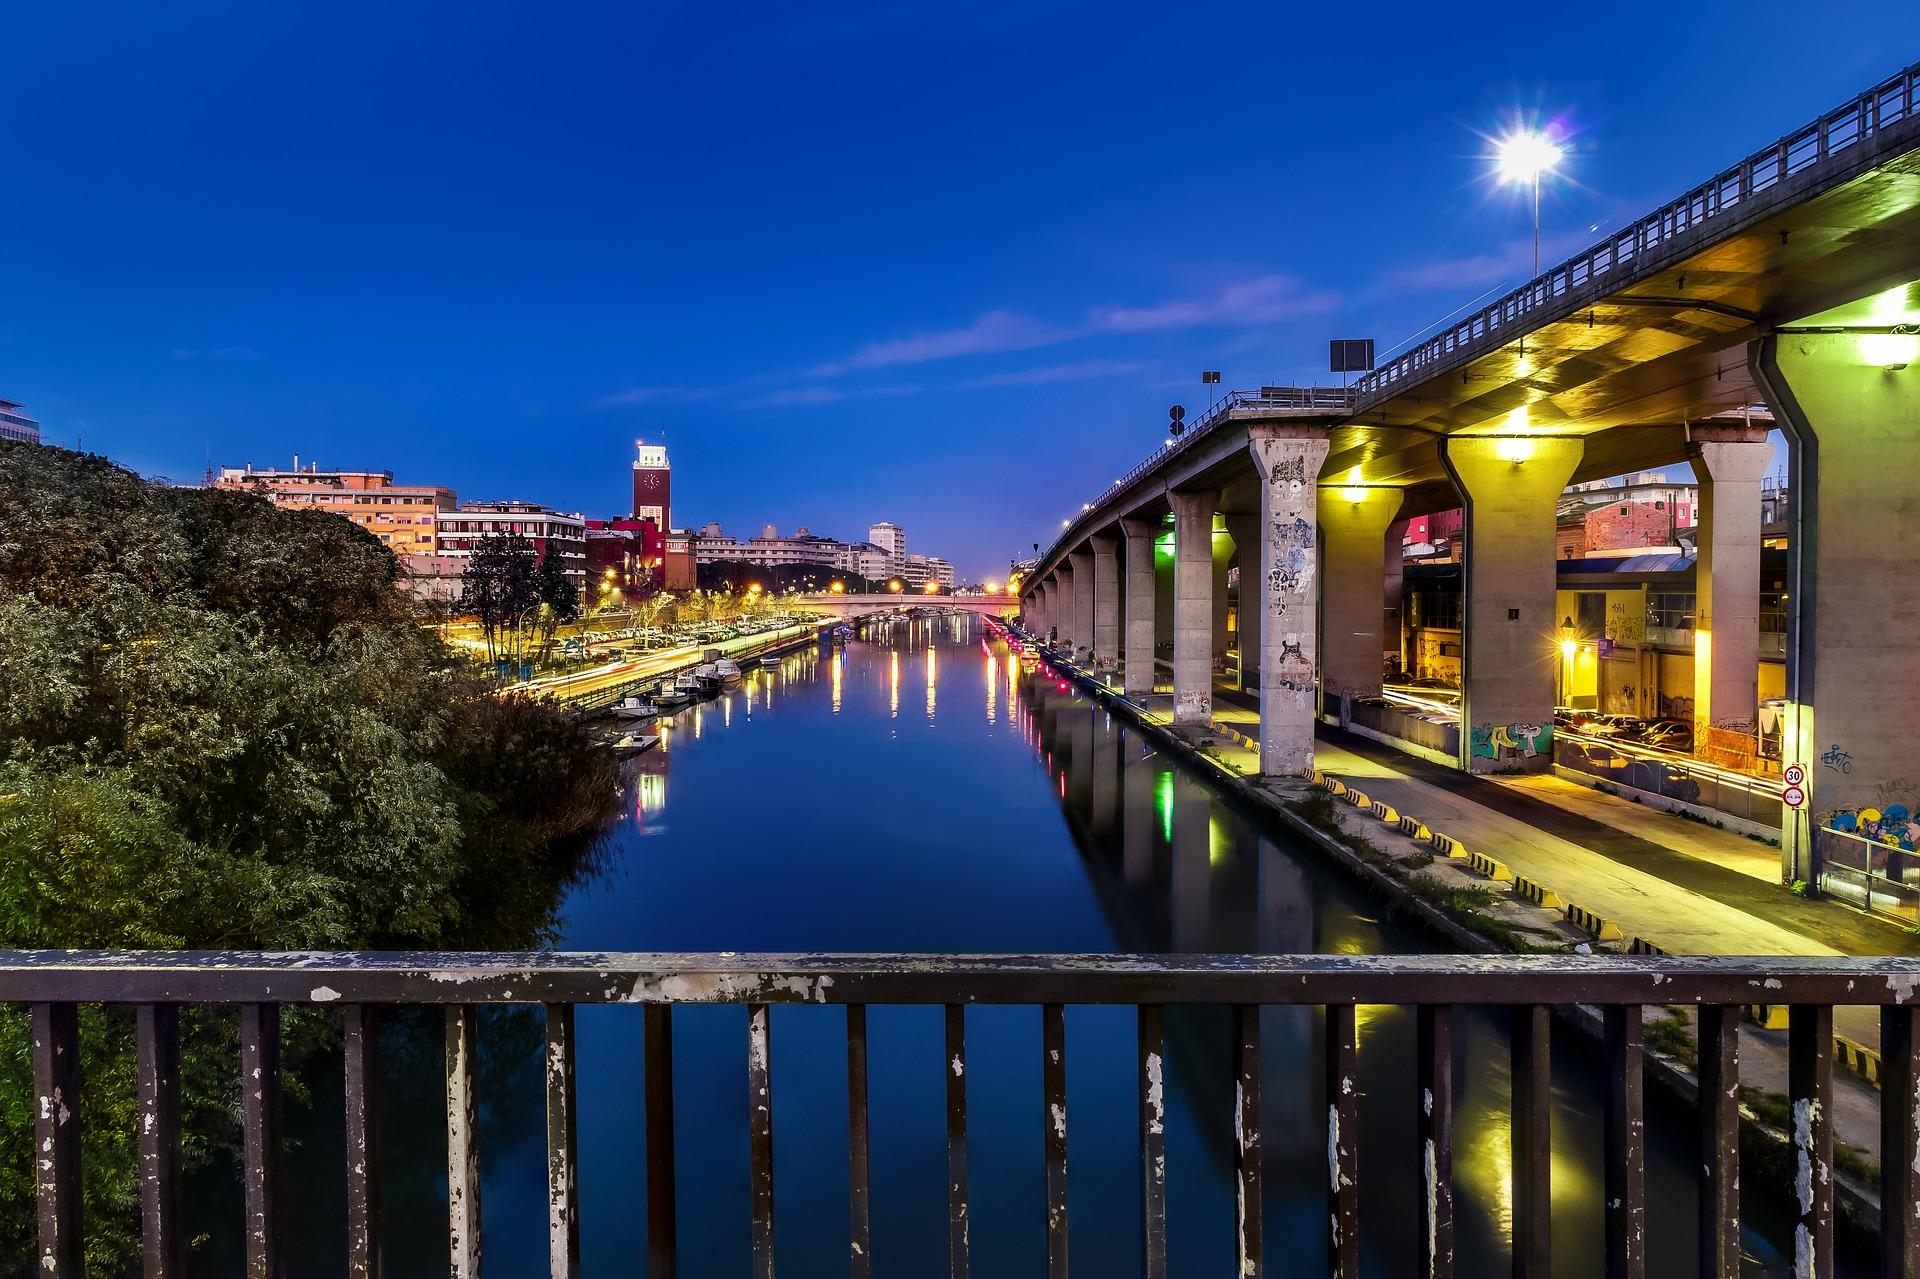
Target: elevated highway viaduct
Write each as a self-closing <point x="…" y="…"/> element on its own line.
<point x="1784" y="291"/>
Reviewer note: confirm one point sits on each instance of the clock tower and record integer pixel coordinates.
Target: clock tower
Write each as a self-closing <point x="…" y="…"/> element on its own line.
<point x="652" y="485"/>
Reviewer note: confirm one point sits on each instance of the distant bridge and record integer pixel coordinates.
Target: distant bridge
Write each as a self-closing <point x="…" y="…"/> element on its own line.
<point x="849" y="607"/>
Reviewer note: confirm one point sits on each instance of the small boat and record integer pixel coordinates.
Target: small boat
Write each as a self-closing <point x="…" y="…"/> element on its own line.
<point x="707" y="676"/>
<point x="729" y="670"/>
<point x="633" y="743"/>
<point x="668" y="697"/>
<point x="842" y="633"/>
<point x="635" y="707"/>
<point x="687" y="682"/>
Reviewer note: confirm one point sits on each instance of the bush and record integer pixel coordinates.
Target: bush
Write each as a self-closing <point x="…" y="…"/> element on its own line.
<point x="221" y="726"/>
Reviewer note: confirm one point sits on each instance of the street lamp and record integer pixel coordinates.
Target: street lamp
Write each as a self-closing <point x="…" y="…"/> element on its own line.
<point x="1524" y="156"/>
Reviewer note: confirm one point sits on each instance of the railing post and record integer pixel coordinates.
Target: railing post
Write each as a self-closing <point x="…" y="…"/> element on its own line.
<point x="1153" y="1142"/>
<point x="760" y="1134"/>
<point x="1532" y="1141"/>
<point x="463" y="1142"/>
<point x="359" y="1043"/>
<point x="1719" y="1110"/>
<point x="859" y="1187"/>
<point x="1343" y="1138"/>
<point x="1626" y="1145"/>
<point x="56" y="1137"/>
<point x="1810" y="1096"/>
<point x="1053" y="1074"/>
<point x="1248" y="1202"/>
<point x="157" y="1068"/>
<point x="956" y="1072"/>
<point x="1434" y="1034"/>
<point x="1900" y="1142"/>
<point x="563" y="1153"/>
<point x="260" y="1134"/>
<point x="662" y="1224"/>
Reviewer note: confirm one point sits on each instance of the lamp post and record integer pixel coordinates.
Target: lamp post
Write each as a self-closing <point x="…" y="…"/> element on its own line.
<point x="1525" y="156"/>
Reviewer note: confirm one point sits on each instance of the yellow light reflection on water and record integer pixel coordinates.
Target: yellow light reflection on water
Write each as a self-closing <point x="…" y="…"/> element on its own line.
<point x="893" y="684"/>
<point x="1219" y="840"/>
<point x="836" y="682"/>
<point x="993" y="686"/>
<point x="931" y="677"/>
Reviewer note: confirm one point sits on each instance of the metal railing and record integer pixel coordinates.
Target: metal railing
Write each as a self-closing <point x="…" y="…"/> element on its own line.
<point x="158" y="984"/>
<point x="1735" y="190"/>
<point x="1329" y="399"/>
<point x="1671" y="776"/>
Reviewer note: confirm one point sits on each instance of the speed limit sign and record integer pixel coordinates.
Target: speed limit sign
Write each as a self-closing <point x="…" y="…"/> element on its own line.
<point x="1794" y="775"/>
<point x="1793" y="797"/>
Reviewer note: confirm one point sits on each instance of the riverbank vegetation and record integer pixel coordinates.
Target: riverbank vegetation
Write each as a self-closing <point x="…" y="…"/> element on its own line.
<point x="221" y="726"/>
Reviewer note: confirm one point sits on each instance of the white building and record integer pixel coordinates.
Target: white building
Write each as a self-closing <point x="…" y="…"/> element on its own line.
<point x="15" y="425"/>
<point x="892" y="539"/>
<point x="921" y="569"/>
<point x="871" y="560"/>
<point x="551" y="532"/>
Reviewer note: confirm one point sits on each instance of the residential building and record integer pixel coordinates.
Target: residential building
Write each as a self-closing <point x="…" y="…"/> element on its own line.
<point x="918" y="570"/>
<point x="681" y="571"/>
<point x="551" y="532"/>
<point x="15" y="425"/>
<point x="405" y="517"/>
<point x="635" y="549"/>
<point x="892" y="539"/>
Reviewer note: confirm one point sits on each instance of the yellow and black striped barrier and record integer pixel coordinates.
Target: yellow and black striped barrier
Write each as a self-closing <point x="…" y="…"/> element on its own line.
<point x="1386" y="813"/>
<point x="1602" y="928"/>
<point x="1496" y="871"/>
<point x="1641" y="946"/>
<point x="1448" y="845"/>
<point x="1537" y="893"/>
<point x="1856" y="1057"/>
<point x="1415" y="827"/>
<point x="1766" y="1016"/>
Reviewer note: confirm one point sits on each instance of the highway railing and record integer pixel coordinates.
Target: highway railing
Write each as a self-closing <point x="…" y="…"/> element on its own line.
<point x="1732" y="192"/>
<point x="358" y="989"/>
<point x="1870" y="873"/>
<point x="1671" y="776"/>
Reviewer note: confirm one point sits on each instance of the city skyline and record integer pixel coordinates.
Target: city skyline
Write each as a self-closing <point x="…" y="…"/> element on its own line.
<point x="949" y="282"/>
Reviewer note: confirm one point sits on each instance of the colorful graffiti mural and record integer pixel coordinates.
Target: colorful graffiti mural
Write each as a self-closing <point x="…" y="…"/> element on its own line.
<point x="1510" y="743"/>
<point x="1896" y="825"/>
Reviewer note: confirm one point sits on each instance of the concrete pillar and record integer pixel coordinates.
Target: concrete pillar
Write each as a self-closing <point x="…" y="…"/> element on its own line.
<point x="1162" y="605"/>
<point x="1244" y="529"/>
<point x="1729" y="462"/>
<point x="1353" y="529"/>
<point x="1511" y="635"/>
<point x="1106" y="601"/>
<point x="1193" y="606"/>
<point x="1222" y="562"/>
<point x="1288" y="460"/>
<point x="1137" y="614"/>
<point x="1394" y="584"/>
<point x="1083" y="588"/>
<point x="1063" y="604"/>
<point x="1850" y="406"/>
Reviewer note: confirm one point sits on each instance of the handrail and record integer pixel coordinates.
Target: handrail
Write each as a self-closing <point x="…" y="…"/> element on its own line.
<point x="353" y="988"/>
<point x="1893" y="100"/>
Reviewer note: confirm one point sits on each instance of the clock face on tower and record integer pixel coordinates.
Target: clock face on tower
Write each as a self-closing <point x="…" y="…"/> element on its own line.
<point x="651" y="480"/>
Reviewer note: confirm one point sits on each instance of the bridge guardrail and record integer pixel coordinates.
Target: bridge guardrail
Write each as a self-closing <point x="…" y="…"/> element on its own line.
<point x="358" y="988"/>
<point x="1890" y="102"/>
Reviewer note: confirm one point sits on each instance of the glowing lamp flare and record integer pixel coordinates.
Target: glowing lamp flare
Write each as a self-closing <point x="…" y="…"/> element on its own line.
<point x="1525" y="155"/>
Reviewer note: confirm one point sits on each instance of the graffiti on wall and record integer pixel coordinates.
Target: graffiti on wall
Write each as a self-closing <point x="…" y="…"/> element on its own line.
<point x="1510" y="743"/>
<point x="1293" y="556"/>
<point x="1626" y="624"/>
<point x="1676" y="706"/>
<point x="1896" y="825"/>
<point x="1293" y="674"/>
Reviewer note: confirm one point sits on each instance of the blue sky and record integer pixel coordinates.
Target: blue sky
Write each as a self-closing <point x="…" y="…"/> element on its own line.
<point x="935" y="263"/>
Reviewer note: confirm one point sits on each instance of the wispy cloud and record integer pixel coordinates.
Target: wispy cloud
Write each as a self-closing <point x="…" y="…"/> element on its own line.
<point x="831" y="394"/>
<point x="1261" y="301"/>
<point x="1078" y="371"/>
<point x="994" y="332"/>
<point x="656" y="395"/>
<point x="215" y="353"/>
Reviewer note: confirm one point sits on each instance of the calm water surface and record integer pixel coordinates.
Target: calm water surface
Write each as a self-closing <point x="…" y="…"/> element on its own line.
<point x="918" y="792"/>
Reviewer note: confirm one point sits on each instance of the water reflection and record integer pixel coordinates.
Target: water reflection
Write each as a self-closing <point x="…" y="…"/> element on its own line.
<point x="814" y="821"/>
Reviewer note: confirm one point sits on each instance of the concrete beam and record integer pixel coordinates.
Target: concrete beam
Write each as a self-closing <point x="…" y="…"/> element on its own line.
<point x="1850" y="405"/>
<point x="1137" y="626"/>
<point x="1288" y="460"/>
<point x="1106" y="601"/>
<point x="1393" y="584"/>
<point x="1353" y="531"/>
<point x="1193" y="606"/>
<point x="1729" y="462"/>
<point x="1511" y="485"/>
<point x="1083" y="589"/>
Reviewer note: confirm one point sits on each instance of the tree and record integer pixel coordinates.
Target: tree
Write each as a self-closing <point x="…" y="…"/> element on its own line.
<point x="222" y="726"/>
<point x="557" y="599"/>
<point x="501" y="587"/>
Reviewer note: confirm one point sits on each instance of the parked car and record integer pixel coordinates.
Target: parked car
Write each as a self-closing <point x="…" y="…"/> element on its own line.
<point x="1669" y="735"/>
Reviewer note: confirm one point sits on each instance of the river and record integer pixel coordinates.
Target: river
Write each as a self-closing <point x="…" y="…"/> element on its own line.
<point x="916" y="791"/>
